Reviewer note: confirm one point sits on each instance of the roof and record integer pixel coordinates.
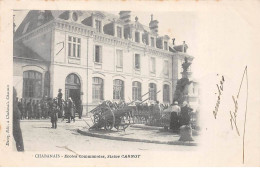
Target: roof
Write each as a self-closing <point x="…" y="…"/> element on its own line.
<point x="36" y="18"/>
<point x="180" y="47"/>
<point x="20" y="50"/>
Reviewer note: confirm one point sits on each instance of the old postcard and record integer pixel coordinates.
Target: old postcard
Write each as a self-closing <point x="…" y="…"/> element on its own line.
<point x="129" y="83"/>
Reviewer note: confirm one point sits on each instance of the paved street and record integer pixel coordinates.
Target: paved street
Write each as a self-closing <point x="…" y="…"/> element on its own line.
<point x="39" y="136"/>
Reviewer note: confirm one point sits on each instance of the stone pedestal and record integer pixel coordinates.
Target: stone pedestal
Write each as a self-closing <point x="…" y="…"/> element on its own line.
<point x="186" y="75"/>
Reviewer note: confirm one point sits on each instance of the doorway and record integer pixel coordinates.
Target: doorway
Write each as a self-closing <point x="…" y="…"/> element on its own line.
<point x="73" y="89"/>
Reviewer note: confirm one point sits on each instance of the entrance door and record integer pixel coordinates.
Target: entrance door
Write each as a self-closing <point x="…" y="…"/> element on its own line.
<point x="72" y="89"/>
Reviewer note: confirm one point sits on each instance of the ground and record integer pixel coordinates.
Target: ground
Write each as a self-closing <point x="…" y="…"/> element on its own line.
<point x="39" y="136"/>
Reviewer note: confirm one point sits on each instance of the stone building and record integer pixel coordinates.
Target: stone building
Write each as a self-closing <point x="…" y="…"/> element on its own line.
<point x="94" y="56"/>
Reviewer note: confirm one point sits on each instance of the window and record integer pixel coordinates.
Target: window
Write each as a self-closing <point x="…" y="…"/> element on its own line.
<point x="166" y="93"/>
<point x="119" y="58"/>
<point x="137" y="61"/>
<point x="152" y="41"/>
<point x="119" y="32"/>
<point x="137" y="90"/>
<point x="98" y="25"/>
<point x="74" y="47"/>
<point x="166" y="68"/>
<point x="165" y="45"/>
<point x="97" y="88"/>
<point x="98" y="54"/>
<point x="137" y="37"/>
<point x="32" y="84"/>
<point x="152" y="65"/>
<point x="152" y="91"/>
<point x="118" y="89"/>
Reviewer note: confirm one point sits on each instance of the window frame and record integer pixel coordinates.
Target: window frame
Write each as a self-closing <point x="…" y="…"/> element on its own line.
<point x="121" y="95"/>
<point x="166" y="69"/>
<point x="136" y="91"/>
<point x="99" y="91"/>
<point x="165" y="45"/>
<point x="98" y="29"/>
<point x="166" y="98"/>
<point x="120" y="60"/>
<point x="153" y="67"/>
<point x="139" y="56"/>
<point x="74" y="47"/>
<point x="152" y="39"/>
<point x="152" y="93"/>
<point x="121" y="31"/>
<point x="100" y="54"/>
<point x="30" y="88"/>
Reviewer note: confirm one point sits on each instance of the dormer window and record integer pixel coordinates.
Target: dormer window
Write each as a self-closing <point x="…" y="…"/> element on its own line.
<point x="137" y="37"/>
<point x="74" y="16"/>
<point x="119" y="32"/>
<point x="152" y="41"/>
<point x="165" y="45"/>
<point x="98" y="25"/>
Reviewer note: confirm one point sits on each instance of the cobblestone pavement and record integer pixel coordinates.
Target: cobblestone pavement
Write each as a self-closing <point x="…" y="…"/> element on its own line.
<point x="39" y="136"/>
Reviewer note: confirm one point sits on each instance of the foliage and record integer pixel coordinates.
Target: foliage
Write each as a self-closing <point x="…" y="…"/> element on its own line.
<point x="179" y="92"/>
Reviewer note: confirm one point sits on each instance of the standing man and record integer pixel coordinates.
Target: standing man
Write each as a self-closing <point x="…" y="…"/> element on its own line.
<point x="59" y="99"/>
<point x="174" y="120"/>
<point x="29" y="109"/>
<point x="80" y="108"/>
<point x="54" y="115"/>
<point x="17" y="132"/>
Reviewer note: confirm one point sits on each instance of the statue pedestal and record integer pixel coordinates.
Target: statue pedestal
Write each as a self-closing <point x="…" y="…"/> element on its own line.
<point x="186" y="75"/>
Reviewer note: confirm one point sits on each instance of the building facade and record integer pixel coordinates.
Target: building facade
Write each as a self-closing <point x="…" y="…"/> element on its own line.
<point x="94" y="56"/>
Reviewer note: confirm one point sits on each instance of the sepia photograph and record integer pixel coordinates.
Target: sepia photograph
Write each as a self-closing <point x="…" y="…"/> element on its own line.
<point x="91" y="83"/>
<point x="105" y="78"/>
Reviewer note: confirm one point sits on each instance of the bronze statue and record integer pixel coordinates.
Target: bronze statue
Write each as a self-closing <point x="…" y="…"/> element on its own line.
<point x="186" y="65"/>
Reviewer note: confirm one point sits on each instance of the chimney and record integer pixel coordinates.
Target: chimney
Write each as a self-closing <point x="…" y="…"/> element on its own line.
<point x="184" y="47"/>
<point x="173" y="42"/>
<point x="153" y="25"/>
<point x="125" y="16"/>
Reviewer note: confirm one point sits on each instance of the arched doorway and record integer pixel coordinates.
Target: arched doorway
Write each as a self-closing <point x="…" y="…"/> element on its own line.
<point x="72" y="88"/>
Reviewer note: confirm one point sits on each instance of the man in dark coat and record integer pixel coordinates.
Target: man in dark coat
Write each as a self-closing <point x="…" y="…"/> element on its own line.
<point x="20" y="107"/>
<point x="29" y="109"/>
<point x="59" y="97"/>
<point x="17" y="133"/>
<point x="174" y="119"/>
<point x="54" y="116"/>
<point x="80" y="108"/>
<point x="24" y="109"/>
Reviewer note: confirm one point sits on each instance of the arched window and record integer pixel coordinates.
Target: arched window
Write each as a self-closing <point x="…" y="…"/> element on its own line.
<point x="152" y="92"/>
<point x="166" y="93"/>
<point x="137" y="90"/>
<point x="32" y="84"/>
<point x="72" y="87"/>
<point x="97" y="88"/>
<point x="118" y="89"/>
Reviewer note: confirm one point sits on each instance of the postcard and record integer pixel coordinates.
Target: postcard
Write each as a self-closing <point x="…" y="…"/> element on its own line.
<point x="129" y="83"/>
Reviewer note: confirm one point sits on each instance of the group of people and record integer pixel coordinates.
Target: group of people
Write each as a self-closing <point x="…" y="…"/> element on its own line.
<point x="50" y="108"/>
<point x="179" y="115"/>
<point x="34" y="109"/>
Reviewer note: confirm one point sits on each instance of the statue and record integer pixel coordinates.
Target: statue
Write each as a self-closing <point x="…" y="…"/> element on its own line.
<point x="186" y="65"/>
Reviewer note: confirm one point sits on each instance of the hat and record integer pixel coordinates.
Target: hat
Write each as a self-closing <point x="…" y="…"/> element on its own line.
<point x="59" y="89"/>
<point x="175" y="102"/>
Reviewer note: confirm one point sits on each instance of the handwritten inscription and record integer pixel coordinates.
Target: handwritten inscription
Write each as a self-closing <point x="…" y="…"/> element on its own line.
<point x="220" y="87"/>
<point x="233" y="114"/>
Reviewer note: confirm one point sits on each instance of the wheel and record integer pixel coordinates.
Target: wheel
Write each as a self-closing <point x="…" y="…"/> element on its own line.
<point x="96" y="119"/>
<point x="108" y="125"/>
